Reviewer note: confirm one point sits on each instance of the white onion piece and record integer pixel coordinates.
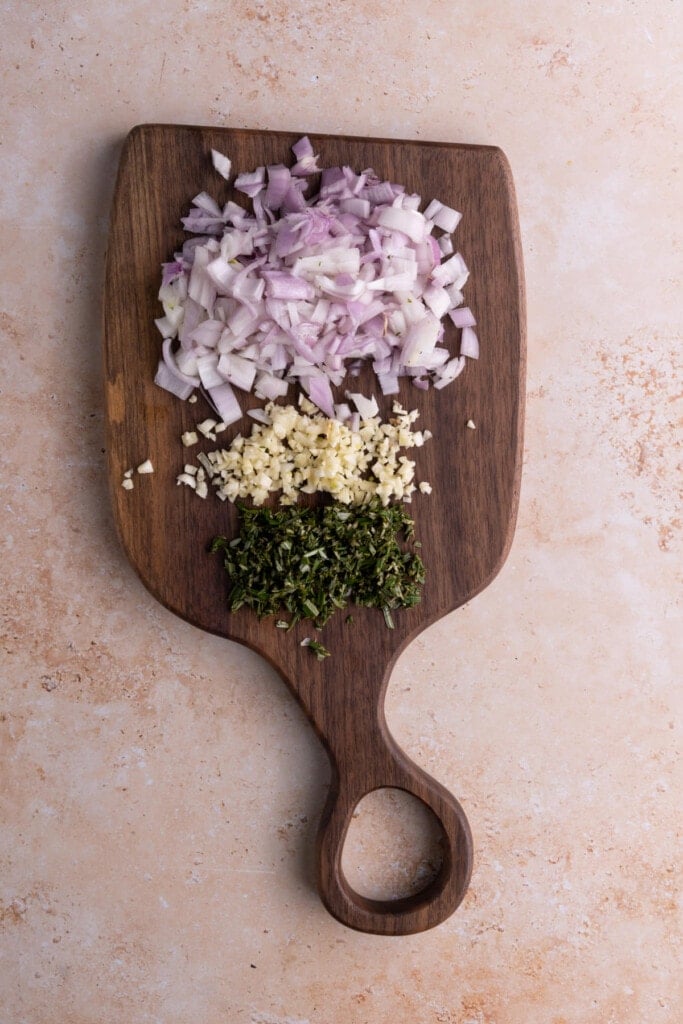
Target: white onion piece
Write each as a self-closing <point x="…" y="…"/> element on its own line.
<point x="450" y="271"/>
<point x="221" y="163"/>
<point x="208" y="333"/>
<point x="179" y="369"/>
<point x="340" y="260"/>
<point x="420" y="339"/>
<point x="207" y="203"/>
<point x="318" y="388"/>
<point x="270" y="387"/>
<point x="207" y="368"/>
<point x="432" y="209"/>
<point x="237" y="370"/>
<point x="186" y="361"/>
<point x="172" y="382"/>
<point x="451" y="370"/>
<point x="431" y="360"/>
<point x="224" y="401"/>
<point x="222" y="273"/>
<point x="455" y="295"/>
<point x="463" y="317"/>
<point x="437" y="299"/>
<point x="469" y="343"/>
<point x="251" y="183"/>
<point x="166" y="328"/>
<point x="447" y="219"/>
<point x="388" y="382"/>
<point x="445" y="244"/>
<point x="408" y="222"/>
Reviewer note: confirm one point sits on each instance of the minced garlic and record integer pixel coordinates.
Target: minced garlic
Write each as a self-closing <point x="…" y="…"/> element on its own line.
<point x="207" y="428"/>
<point x="301" y="451"/>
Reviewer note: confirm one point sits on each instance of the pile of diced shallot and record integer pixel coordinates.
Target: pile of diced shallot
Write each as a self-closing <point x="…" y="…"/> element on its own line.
<point x="305" y="289"/>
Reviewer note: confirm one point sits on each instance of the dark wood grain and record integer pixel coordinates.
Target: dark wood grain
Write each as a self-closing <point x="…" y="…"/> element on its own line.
<point x="465" y="526"/>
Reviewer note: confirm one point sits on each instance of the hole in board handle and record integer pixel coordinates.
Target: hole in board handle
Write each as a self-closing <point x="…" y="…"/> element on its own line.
<point x="393" y="848"/>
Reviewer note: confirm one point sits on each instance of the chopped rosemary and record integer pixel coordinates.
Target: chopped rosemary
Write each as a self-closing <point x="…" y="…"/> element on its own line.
<point x="309" y="562"/>
<point x="316" y="648"/>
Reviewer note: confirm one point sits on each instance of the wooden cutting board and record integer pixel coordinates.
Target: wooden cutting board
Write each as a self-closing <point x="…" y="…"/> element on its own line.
<point x="465" y="526"/>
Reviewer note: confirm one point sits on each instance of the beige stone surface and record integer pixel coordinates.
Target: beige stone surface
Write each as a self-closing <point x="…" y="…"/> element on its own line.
<point x="159" y="789"/>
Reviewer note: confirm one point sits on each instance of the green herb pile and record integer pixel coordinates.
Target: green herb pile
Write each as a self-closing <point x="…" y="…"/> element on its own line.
<point x="309" y="562"/>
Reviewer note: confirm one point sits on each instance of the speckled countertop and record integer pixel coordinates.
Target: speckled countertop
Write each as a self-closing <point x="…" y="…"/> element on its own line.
<point x="159" y="789"/>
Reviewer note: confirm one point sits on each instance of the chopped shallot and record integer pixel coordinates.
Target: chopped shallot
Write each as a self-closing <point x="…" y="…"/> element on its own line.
<point x="303" y="289"/>
<point x="221" y="163"/>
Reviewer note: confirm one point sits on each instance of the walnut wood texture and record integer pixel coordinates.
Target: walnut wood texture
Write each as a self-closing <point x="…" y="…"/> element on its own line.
<point x="465" y="526"/>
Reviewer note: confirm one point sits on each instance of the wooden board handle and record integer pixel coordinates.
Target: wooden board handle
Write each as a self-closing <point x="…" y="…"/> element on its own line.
<point x="377" y="762"/>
